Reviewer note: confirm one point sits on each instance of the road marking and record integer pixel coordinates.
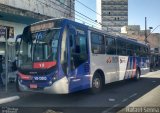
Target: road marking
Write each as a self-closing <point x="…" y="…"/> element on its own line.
<point x="9" y="99"/>
<point x="107" y="110"/>
<point x="124" y="100"/>
<point x="51" y="111"/>
<point x="116" y="105"/>
<point x="154" y="81"/>
<point x="133" y="95"/>
<point x="111" y="99"/>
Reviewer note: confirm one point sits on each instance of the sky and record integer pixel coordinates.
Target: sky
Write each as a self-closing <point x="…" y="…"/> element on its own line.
<point x="137" y="11"/>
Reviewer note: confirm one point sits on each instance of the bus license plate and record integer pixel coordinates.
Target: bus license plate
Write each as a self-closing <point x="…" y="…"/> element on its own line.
<point x="33" y="86"/>
<point x="40" y="78"/>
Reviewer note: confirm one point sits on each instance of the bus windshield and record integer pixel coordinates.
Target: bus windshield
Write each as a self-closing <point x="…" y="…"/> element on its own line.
<point x="41" y="46"/>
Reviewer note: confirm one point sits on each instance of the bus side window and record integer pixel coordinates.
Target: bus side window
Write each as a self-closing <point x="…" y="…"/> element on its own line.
<point x="142" y="50"/>
<point x="130" y="47"/>
<point x="121" y="47"/>
<point x="110" y="46"/>
<point x="98" y="45"/>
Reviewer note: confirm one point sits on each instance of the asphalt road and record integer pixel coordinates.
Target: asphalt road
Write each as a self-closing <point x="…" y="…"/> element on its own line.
<point x="113" y="98"/>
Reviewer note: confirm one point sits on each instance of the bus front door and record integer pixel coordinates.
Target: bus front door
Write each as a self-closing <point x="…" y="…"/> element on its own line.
<point x="78" y="61"/>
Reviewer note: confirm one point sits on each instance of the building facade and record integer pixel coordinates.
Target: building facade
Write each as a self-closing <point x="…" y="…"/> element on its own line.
<point x="114" y="14"/>
<point x="16" y="14"/>
<point x="131" y="29"/>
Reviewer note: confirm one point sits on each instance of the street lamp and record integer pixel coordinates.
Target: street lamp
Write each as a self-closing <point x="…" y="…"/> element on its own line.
<point x="152" y="30"/>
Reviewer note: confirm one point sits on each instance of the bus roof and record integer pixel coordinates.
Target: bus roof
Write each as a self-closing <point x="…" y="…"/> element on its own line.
<point x="126" y="38"/>
<point x="96" y="30"/>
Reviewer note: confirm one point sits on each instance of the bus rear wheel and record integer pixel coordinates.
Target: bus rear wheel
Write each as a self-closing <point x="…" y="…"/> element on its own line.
<point x="97" y="83"/>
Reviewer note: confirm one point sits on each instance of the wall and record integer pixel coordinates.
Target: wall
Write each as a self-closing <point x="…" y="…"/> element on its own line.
<point x="48" y="8"/>
<point x="18" y="29"/>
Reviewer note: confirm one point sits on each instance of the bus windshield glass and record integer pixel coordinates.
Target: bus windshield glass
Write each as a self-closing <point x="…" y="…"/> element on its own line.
<point x="41" y="46"/>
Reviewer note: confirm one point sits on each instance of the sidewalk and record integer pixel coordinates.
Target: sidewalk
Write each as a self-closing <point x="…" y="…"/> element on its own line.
<point x="148" y="103"/>
<point x="12" y="91"/>
<point x="11" y="94"/>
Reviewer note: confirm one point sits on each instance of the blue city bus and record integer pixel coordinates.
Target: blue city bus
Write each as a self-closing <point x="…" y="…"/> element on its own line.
<point x="61" y="56"/>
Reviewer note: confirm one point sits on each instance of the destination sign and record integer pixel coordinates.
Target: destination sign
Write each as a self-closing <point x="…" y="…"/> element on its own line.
<point x="42" y="26"/>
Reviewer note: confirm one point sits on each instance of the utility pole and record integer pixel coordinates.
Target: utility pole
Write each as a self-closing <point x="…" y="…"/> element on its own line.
<point x="6" y="59"/>
<point x="146" y="30"/>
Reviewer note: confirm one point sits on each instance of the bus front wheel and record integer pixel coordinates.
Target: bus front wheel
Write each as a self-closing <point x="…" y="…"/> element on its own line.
<point x="96" y="83"/>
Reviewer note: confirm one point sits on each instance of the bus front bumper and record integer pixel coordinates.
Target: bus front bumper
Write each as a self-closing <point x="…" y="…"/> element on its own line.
<point x="59" y="87"/>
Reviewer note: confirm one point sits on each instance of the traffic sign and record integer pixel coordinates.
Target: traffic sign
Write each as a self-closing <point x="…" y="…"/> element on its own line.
<point x="10" y="31"/>
<point x="2" y="31"/>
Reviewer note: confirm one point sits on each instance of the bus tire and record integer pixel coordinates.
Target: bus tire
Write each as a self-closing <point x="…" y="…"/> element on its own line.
<point x="97" y="83"/>
<point x="138" y="74"/>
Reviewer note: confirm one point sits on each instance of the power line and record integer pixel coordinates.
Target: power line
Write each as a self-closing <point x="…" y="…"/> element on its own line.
<point x="88" y="7"/>
<point x="62" y="11"/>
<point x="153" y="31"/>
<point x="76" y="11"/>
<point x="73" y="10"/>
<point x="69" y="8"/>
<point x="75" y="14"/>
<point x="52" y="7"/>
<point x="83" y="21"/>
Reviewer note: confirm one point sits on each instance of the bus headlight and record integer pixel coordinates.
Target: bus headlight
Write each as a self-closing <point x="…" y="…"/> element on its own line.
<point x="54" y="78"/>
<point x="50" y="82"/>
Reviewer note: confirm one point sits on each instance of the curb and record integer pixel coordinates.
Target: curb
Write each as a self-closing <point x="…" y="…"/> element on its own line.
<point x="9" y="99"/>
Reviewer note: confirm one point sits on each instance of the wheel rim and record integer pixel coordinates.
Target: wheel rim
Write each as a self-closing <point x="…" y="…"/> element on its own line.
<point x="96" y="83"/>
